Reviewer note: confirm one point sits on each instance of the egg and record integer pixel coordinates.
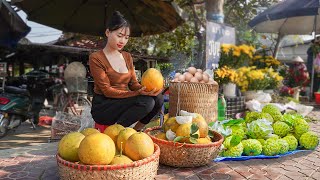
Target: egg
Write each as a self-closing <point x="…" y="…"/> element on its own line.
<point x="198" y="75"/>
<point x="205" y="77"/>
<point x="199" y="70"/>
<point x="215" y="83"/>
<point x="202" y="81"/>
<point x="192" y="70"/>
<point x="175" y="80"/>
<point x="211" y="81"/>
<point x="188" y="76"/>
<point x="177" y="75"/>
<point x="194" y="79"/>
<point x="181" y="78"/>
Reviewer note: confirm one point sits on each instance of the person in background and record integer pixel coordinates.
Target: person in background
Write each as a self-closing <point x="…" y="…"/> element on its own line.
<point x="299" y="75"/>
<point x="316" y="80"/>
<point x="118" y="97"/>
<point x="311" y="62"/>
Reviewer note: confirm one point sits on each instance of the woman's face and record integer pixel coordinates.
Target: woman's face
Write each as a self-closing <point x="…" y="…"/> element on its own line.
<point x="117" y="39"/>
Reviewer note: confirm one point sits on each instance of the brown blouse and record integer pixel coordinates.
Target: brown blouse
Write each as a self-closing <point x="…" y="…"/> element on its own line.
<point x="109" y="82"/>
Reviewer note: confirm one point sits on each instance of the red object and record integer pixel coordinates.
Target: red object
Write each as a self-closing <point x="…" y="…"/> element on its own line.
<point x="317" y="97"/>
<point x="100" y="127"/>
<point x="45" y="120"/>
<point x="4" y="100"/>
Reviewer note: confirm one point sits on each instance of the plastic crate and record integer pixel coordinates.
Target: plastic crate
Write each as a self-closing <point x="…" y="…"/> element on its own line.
<point x="77" y="84"/>
<point x="234" y="105"/>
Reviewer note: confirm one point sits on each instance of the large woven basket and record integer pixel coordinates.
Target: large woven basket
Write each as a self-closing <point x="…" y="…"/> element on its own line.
<point x="143" y="169"/>
<point x="194" y="97"/>
<point x="185" y="155"/>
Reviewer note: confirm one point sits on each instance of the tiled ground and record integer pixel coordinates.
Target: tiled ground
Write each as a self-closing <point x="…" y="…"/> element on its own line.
<point x="38" y="162"/>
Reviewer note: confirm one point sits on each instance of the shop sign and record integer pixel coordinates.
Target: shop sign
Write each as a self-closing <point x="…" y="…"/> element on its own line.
<point x="216" y="35"/>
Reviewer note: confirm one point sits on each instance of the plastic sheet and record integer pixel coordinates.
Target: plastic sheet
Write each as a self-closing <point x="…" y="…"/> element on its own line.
<point x="244" y="158"/>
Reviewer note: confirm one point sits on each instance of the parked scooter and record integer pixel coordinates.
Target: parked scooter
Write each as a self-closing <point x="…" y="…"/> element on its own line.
<point x="20" y="104"/>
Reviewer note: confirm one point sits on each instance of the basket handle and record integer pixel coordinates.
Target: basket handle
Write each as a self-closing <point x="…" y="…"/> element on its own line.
<point x="178" y="103"/>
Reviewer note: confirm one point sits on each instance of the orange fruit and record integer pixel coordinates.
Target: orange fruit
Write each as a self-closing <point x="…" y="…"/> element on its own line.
<point x="89" y="131"/>
<point x="185" y="130"/>
<point x="121" y="159"/>
<point x="124" y="136"/>
<point x="113" y="131"/>
<point x="161" y="135"/>
<point x="69" y="145"/>
<point x="172" y="124"/>
<point x="139" y="146"/>
<point x="97" y="149"/>
<point x="152" y="79"/>
<point x="202" y="124"/>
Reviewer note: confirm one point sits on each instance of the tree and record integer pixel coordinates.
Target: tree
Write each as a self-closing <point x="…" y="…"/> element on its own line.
<point x="186" y="45"/>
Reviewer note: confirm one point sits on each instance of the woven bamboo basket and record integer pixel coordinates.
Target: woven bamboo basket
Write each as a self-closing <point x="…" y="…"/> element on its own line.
<point x="143" y="169"/>
<point x="194" y="97"/>
<point x="185" y="155"/>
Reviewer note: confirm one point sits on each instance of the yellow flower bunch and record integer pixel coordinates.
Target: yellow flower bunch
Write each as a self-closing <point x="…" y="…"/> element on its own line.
<point x="251" y="78"/>
<point x="225" y="75"/>
<point x="274" y="78"/>
<point x="264" y="62"/>
<point x="235" y="56"/>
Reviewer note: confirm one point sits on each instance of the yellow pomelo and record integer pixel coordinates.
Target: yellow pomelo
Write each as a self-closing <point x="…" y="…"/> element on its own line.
<point x="161" y="135"/>
<point x="185" y="130"/>
<point x="89" y="131"/>
<point x="120" y="159"/>
<point x="69" y="145"/>
<point x="205" y="140"/>
<point x="172" y="124"/>
<point x="152" y="79"/>
<point x="139" y="146"/>
<point x="123" y="137"/>
<point x="202" y="124"/>
<point x="97" y="149"/>
<point x="113" y="131"/>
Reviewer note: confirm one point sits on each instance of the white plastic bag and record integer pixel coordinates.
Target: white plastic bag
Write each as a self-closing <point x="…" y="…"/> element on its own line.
<point x="254" y="105"/>
<point x="263" y="98"/>
<point x="300" y="108"/>
<point x="86" y="118"/>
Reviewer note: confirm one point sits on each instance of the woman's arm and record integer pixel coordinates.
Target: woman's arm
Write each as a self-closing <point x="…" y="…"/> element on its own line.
<point x="101" y="79"/>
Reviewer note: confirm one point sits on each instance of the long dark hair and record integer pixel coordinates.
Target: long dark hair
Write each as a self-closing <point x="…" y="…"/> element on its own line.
<point x="117" y="21"/>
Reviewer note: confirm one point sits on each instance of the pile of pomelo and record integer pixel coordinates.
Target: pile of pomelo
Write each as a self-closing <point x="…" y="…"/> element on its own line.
<point x="116" y="145"/>
<point x="187" y="128"/>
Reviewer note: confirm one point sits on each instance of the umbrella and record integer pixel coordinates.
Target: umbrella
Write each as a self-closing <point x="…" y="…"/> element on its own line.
<point x="146" y="17"/>
<point x="289" y="17"/>
<point x="12" y="28"/>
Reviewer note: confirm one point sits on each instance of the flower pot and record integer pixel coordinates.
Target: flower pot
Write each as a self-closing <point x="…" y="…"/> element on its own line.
<point x="249" y="95"/>
<point x="229" y="90"/>
<point x="317" y="97"/>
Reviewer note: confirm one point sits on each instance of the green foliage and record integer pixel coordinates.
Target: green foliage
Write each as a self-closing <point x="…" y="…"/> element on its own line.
<point x="165" y="68"/>
<point x="235" y="140"/>
<point x="186" y="44"/>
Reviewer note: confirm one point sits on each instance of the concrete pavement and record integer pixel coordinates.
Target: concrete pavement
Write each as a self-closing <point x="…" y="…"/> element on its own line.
<point x="38" y="162"/>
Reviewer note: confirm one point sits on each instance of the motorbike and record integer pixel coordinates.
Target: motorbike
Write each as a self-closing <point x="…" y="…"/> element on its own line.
<point x="18" y="104"/>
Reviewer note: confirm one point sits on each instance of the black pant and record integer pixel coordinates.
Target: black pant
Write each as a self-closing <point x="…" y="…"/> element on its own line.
<point x="316" y="82"/>
<point x="126" y="111"/>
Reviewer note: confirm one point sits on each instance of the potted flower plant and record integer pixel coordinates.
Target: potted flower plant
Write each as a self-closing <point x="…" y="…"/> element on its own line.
<point x="252" y="81"/>
<point x="235" y="56"/>
<point x="228" y="78"/>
